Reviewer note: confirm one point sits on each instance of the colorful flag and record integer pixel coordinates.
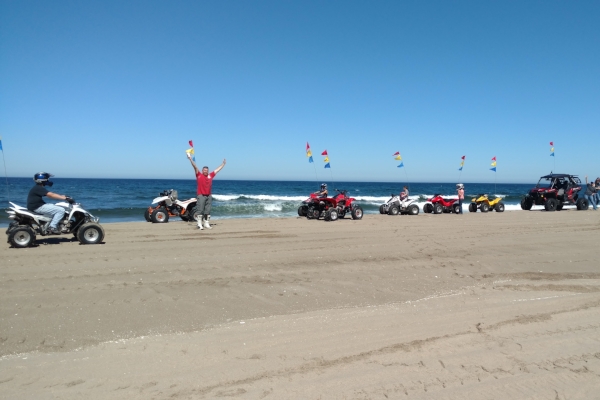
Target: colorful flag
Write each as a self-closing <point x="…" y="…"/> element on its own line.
<point x="551" y="149"/>
<point x="191" y="143"/>
<point x="398" y="157"/>
<point x="324" y="153"/>
<point x="309" y="153"/>
<point x="493" y="164"/>
<point x="326" y="159"/>
<point x="396" y="153"/>
<point x="1" y="143"/>
<point x="462" y="163"/>
<point x="401" y="165"/>
<point x="190" y="152"/>
<point x="327" y="165"/>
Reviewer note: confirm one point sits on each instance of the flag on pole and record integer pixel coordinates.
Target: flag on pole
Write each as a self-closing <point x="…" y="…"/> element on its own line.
<point x="493" y="164"/>
<point x="401" y="165"/>
<point x="1" y="144"/>
<point x="396" y="153"/>
<point x="551" y="149"/>
<point x="462" y="163"/>
<point x="326" y="159"/>
<point x="309" y="153"/>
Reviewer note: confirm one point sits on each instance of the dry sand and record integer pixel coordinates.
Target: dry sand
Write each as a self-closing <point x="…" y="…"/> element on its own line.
<point x="497" y="306"/>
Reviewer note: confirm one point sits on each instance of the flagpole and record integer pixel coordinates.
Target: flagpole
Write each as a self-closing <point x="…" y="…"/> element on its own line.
<point x="5" y="174"/>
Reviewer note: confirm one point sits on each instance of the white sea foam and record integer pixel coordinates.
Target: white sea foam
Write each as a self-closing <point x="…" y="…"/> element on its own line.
<point x="273" y="207"/>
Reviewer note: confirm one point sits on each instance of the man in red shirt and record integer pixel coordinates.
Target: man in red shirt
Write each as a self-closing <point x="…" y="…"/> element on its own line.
<point x="204" y="187"/>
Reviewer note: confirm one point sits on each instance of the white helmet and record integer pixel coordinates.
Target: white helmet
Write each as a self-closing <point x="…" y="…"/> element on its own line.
<point x="460" y="186"/>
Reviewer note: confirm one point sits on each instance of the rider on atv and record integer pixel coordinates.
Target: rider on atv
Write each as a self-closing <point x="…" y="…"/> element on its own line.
<point x="36" y="204"/>
<point x="404" y="196"/>
<point x="323" y="193"/>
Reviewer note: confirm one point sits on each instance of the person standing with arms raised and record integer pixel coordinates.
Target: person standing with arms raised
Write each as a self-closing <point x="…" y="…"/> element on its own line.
<point x="204" y="189"/>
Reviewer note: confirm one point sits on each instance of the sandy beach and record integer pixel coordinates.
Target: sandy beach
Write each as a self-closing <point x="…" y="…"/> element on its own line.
<point x="477" y="306"/>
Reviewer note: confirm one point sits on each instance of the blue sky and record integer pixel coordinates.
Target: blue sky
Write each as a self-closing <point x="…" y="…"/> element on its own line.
<point x="117" y="88"/>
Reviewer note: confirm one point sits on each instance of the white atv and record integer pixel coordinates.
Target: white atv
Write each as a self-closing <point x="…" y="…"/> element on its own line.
<point x="83" y="225"/>
<point x="168" y="205"/>
<point x="394" y="206"/>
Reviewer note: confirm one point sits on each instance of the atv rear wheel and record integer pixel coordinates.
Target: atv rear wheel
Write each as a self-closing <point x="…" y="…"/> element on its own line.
<point x="147" y="215"/>
<point x="499" y="207"/>
<point x="437" y="208"/>
<point x="473" y="207"/>
<point x="550" y="204"/>
<point x="583" y="204"/>
<point x="393" y="210"/>
<point x="313" y="213"/>
<point x="160" y="215"/>
<point x="485" y="207"/>
<point x="428" y="208"/>
<point x="456" y="209"/>
<point x="90" y="233"/>
<point x="526" y="203"/>
<point x="357" y="212"/>
<point x="302" y="210"/>
<point x="382" y="209"/>
<point x="21" y="237"/>
<point x="413" y="209"/>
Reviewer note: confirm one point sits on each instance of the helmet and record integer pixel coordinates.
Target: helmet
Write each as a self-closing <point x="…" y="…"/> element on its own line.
<point x="43" y="178"/>
<point x="460" y="186"/>
<point x="323" y="186"/>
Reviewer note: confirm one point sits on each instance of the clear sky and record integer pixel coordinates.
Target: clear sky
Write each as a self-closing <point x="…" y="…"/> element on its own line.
<point x="117" y="88"/>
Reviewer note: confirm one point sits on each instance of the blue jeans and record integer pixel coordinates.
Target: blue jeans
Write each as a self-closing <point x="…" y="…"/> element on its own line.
<point x="592" y="199"/>
<point x="55" y="212"/>
<point x="460" y="205"/>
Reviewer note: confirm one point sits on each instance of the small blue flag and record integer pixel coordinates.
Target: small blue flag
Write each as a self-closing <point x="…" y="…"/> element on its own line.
<point x="551" y="154"/>
<point x="1" y="143"/>
<point x="493" y="169"/>
<point x="310" y="159"/>
<point x="401" y="165"/>
<point x="327" y="165"/>
<point x="460" y="169"/>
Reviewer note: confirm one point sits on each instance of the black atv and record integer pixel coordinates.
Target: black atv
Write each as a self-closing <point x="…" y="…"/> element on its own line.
<point x="555" y="191"/>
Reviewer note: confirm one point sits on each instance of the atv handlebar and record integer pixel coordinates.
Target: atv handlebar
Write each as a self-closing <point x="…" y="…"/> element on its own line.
<point x="70" y="200"/>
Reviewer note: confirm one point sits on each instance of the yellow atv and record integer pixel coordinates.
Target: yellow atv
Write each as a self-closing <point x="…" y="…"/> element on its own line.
<point x="484" y="204"/>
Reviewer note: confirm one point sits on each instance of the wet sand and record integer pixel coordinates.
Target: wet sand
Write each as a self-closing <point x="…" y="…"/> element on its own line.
<point x="433" y="306"/>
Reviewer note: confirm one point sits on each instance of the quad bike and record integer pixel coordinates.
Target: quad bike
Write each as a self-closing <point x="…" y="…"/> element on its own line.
<point x="437" y="205"/>
<point x="485" y="204"/>
<point x="77" y="221"/>
<point x="555" y="191"/>
<point x="332" y="208"/>
<point x="168" y="205"/>
<point x="343" y="204"/>
<point x="312" y="200"/>
<point x="394" y="206"/>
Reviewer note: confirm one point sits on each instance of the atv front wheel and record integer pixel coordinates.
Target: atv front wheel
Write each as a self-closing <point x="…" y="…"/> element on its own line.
<point x="393" y="210"/>
<point x="147" y="215"/>
<point x="485" y="207"/>
<point x="583" y="204"/>
<point x="160" y="215"/>
<point x="456" y="209"/>
<point x="382" y="209"/>
<point x="331" y="214"/>
<point x="437" y="208"/>
<point x="21" y="237"/>
<point x="413" y="209"/>
<point x="302" y="211"/>
<point x="90" y="233"/>
<point x="550" y="204"/>
<point x="526" y="203"/>
<point x="428" y="208"/>
<point x="357" y="212"/>
<point x="473" y="207"/>
<point x="500" y="207"/>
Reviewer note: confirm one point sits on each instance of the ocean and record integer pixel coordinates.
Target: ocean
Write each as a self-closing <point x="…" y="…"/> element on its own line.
<point x="124" y="200"/>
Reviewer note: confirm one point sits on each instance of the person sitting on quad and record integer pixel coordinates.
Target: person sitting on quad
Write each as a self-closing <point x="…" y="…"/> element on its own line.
<point x="323" y="192"/>
<point x="404" y="196"/>
<point x="36" y="204"/>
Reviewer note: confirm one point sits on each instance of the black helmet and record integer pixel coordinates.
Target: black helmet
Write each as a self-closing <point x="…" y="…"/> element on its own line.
<point x="43" y="178"/>
<point x="323" y="186"/>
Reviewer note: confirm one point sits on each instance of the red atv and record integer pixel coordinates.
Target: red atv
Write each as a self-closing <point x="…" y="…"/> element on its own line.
<point x="437" y="205"/>
<point x="343" y="204"/>
<point x="317" y="207"/>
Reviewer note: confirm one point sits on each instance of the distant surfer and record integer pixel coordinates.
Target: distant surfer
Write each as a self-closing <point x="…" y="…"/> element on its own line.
<point x="204" y="189"/>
